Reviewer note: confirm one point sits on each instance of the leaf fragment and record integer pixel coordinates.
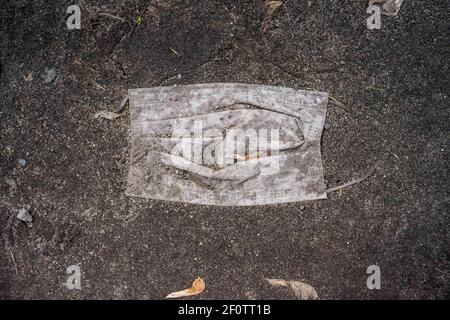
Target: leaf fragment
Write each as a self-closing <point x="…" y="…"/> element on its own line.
<point x="302" y="291"/>
<point x="390" y="7"/>
<point x="197" y="287"/>
<point x="272" y="6"/>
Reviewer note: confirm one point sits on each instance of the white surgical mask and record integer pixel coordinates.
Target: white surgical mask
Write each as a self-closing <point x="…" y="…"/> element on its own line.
<point x="226" y="144"/>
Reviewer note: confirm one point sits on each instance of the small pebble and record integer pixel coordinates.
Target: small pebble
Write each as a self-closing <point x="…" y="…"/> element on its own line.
<point x="49" y="75"/>
<point x="22" y="162"/>
<point x="327" y="126"/>
<point x="24" y="215"/>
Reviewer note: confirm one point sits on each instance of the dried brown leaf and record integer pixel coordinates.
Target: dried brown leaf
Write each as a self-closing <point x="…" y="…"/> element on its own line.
<point x="390" y="7"/>
<point x="278" y="282"/>
<point x="197" y="287"/>
<point x="302" y="291"/>
<point x="272" y="6"/>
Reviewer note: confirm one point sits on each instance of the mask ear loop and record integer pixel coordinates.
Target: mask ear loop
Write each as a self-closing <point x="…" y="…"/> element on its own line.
<point x="356" y="180"/>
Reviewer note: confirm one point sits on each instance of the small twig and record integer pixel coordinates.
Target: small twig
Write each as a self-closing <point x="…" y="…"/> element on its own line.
<point x="111" y="16"/>
<point x="14" y="262"/>
<point x="246" y="158"/>
<point x="393" y="154"/>
<point x="78" y="62"/>
<point x="354" y="181"/>
<point x="93" y="70"/>
<point x="174" y="51"/>
<point x="97" y="85"/>
<point x="122" y="105"/>
<point x="107" y="115"/>
<point x="339" y="104"/>
<point x="141" y="14"/>
<point x="289" y="72"/>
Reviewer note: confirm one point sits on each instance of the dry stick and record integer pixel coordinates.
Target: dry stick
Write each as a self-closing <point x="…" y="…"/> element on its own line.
<point x="339" y="104"/>
<point x="14" y="262"/>
<point x="93" y="70"/>
<point x="354" y="181"/>
<point x="175" y="51"/>
<point x="80" y="63"/>
<point x="97" y="85"/>
<point x="111" y="16"/>
<point x="122" y="105"/>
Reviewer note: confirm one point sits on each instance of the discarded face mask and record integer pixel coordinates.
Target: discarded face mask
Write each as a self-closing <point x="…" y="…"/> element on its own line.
<point x="226" y="144"/>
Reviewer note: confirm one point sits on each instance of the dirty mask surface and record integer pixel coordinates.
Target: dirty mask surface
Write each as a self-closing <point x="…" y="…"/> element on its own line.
<point x="226" y="144"/>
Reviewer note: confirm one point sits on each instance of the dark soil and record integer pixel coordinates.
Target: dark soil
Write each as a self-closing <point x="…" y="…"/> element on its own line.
<point x="393" y="83"/>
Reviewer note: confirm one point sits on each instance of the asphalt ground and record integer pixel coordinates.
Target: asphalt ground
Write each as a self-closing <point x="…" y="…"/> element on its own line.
<point x="392" y="88"/>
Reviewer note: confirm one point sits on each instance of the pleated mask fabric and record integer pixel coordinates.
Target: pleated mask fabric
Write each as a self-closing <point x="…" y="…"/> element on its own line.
<point x="226" y="144"/>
